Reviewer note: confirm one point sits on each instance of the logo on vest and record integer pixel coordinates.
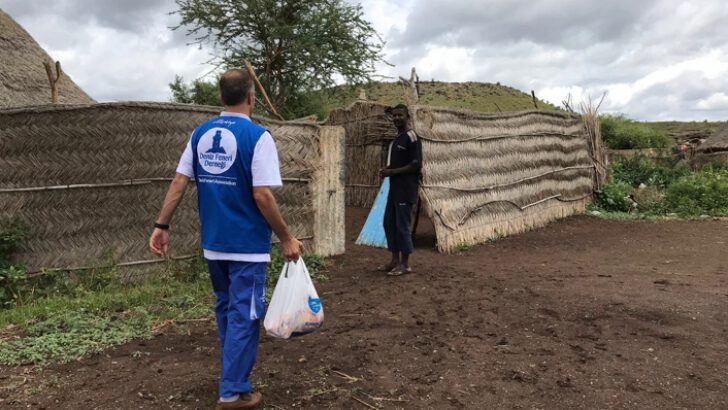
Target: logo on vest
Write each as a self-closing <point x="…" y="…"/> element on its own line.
<point x="217" y="150"/>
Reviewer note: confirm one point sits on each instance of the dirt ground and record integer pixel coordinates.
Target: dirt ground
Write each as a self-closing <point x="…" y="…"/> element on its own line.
<point x="583" y="314"/>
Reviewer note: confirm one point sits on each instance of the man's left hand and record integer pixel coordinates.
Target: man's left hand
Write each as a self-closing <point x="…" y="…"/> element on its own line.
<point x="385" y="172"/>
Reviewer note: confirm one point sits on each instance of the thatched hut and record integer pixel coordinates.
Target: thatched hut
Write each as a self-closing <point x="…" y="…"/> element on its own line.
<point x="89" y="180"/>
<point x="23" y="79"/>
<point x="484" y="175"/>
<point x="714" y="150"/>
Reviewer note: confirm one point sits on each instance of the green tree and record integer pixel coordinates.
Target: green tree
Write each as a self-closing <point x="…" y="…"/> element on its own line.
<point x="619" y="132"/>
<point x="295" y="46"/>
<point x="197" y="92"/>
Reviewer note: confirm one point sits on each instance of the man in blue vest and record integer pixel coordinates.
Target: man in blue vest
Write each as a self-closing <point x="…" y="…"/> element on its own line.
<point x="235" y="164"/>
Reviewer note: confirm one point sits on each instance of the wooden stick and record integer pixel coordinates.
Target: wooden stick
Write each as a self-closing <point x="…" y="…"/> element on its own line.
<point x="415" y="83"/>
<point x="53" y="81"/>
<point x="271" y="108"/>
<point x="533" y="94"/>
<point x="346" y="376"/>
<point x="385" y="399"/>
<point x="364" y="403"/>
<point x="130" y="182"/>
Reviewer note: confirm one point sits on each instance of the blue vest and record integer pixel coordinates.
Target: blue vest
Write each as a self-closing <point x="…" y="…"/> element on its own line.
<point x="230" y="220"/>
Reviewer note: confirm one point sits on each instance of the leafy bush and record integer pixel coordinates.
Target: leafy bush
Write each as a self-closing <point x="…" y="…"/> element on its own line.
<point x="12" y="279"/>
<point x="650" y="199"/>
<point x="619" y="132"/>
<point x="13" y="235"/>
<point x="700" y="193"/>
<point x="638" y="170"/>
<point x="614" y="196"/>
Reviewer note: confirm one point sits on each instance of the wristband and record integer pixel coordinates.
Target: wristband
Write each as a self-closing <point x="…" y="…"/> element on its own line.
<point x="164" y="227"/>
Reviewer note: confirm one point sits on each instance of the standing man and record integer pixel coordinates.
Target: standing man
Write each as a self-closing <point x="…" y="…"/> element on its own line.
<point x="404" y="179"/>
<point x="235" y="164"/>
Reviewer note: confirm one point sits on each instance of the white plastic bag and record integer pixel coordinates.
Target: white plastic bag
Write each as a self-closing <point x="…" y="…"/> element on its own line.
<point x="295" y="308"/>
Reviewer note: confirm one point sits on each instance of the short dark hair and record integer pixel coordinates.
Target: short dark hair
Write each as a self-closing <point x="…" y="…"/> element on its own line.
<point x="235" y="85"/>
<point x="400" y="107"/>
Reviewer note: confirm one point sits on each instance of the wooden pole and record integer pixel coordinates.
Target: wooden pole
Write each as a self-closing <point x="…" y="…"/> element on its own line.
<point x="271" y="108"/>
<point x="414" y="83"/>
<point x="535" y="103"/>
<point x="415" y="80"/>
<point x="53" y="81"/>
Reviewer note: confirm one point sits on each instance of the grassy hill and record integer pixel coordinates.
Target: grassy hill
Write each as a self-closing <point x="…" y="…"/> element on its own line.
<point x="681" y="131"/>
<point x="483" y="97"/>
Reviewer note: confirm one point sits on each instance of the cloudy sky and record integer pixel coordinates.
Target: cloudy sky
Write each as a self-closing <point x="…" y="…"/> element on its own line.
<point x="657" y="60"/>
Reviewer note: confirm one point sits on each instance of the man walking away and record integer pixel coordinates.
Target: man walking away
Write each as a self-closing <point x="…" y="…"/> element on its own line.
<point x="235" y="164"/>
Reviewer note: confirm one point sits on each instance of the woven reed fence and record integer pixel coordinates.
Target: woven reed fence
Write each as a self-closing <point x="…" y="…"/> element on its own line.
<point x="484" y="175"/>
<point x="488" y="175"/>
<point x="90" y="179"/>
<point x="368" y="131"/>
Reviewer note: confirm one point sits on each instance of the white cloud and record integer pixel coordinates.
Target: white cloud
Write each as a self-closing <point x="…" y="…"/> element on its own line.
<point x="717" y="101"/>
<point x="663" y="59"/>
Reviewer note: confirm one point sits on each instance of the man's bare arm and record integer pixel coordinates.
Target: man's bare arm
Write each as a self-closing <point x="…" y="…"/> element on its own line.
<point x="292" y="248"/>
<point x="159" y="241"/>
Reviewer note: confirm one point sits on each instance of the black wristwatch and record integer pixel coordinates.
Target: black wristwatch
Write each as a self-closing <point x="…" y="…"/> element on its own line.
<point x="164" y="227"/>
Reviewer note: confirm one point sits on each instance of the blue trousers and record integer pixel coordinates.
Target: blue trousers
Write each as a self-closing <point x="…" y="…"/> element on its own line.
<point x="240" y="291"/>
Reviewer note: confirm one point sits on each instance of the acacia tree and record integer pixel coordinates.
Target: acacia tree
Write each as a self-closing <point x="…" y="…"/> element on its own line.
<point x="197" y="92"/>
<point x="295" y="46"/>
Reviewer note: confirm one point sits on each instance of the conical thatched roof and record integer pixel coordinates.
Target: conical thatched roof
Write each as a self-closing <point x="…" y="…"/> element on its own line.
<point x="23" y="79"/>
<point x="716" y="142"/>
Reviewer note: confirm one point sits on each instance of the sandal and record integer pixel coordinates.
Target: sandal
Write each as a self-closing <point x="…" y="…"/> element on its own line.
<point x="387" y="268"/>
<point x="399" y="271"/>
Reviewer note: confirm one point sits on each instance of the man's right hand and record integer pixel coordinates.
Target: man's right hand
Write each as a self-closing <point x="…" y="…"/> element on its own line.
<point x="292" y="249"/>
<point x="159" y="242"/>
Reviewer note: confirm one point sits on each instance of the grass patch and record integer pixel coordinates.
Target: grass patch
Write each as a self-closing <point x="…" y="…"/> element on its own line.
<point x="82" y="320"/>
<point x="65" y="336"/>
<point x="596" y="211"/>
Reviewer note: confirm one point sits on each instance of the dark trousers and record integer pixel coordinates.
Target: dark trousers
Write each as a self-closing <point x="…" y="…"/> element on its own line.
<point x="398" y="226"/>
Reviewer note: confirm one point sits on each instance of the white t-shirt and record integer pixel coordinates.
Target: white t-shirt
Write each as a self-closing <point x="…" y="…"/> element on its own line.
<point x="266" y="172"/>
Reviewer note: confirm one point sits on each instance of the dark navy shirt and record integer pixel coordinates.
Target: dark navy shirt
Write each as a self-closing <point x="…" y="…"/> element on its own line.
<point x="406" y="150"/>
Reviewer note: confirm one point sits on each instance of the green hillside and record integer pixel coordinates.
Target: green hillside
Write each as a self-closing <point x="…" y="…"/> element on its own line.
<point x="483" y="97"/>
<point x="681" y="131"/>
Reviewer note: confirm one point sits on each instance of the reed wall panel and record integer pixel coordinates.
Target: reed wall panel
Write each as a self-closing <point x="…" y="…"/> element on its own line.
<point x="90" y="179"/>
